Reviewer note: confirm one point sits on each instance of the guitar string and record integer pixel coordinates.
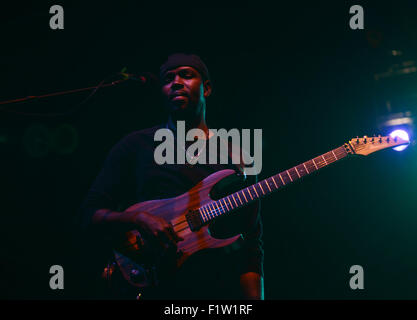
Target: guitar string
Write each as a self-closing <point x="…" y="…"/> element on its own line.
<point x="338" y="151"/>
<point x="320" y="164"/>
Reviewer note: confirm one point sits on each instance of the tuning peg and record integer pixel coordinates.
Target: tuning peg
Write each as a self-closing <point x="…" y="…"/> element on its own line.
<point x="364" y="139"/>
<point x="373" y="139"/>
<point x="357" y="139"/>
<point x="395" y="139"/>
<point x="380" y="139"/>
<point x="388" y="139"/>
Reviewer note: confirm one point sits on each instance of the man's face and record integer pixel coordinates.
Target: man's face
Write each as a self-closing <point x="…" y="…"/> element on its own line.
<point x="184" y="91"/>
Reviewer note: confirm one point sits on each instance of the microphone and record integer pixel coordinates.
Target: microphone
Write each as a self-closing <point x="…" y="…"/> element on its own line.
<point x="143" y="77"/>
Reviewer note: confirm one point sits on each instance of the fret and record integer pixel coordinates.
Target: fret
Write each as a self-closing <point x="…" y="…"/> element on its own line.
<point x="315" y="164"/>
<point x="283" y="183"/>
<point x="289" y="175"/>
<point x="297" y="172"/>
<point x="305" y="167"/>
<point x="212" y="210"/>
<point x="250" y="194"/>
<point x="205" y="213"/>
<point x="209" y="216"/>
<point x="319" y="162"/>
<point x="229" y="202"/>
<point x="261" y="188"/>
<point x="293" y="173"/>
<point x="274" y="182"/>
<point x="278" y="181"/>
<point x="267" y="184"/>
<point x="253" y="187"/>
<point x="341" y="152"/>
<point x="235" y="201"/>
<point x="208" y="211"/>
<point x="221" y="205"/>
<point x="300" y="170"/>
<point x="324" y="160"/>
<point x="328" y="157"/>
<point x="218" y="208"/>
<point x="285" y="177"/>
<point x="202" y="215"/>
<point x="241" y="202"/>
<point x="266" y="187"/>
<point x="243" y="192"/>
<point x="200" y="210"/>
<point x="311" y="166"/>
<point x="225" y="204"/>
<point x="334" y="155"/>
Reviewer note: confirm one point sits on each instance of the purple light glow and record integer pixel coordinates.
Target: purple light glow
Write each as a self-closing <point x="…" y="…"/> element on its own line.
<point x="401" y="134"/>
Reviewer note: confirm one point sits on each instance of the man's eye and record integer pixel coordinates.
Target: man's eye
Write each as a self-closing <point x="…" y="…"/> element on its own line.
<point x="168" y="79"/>
<point x="187" y="74"/>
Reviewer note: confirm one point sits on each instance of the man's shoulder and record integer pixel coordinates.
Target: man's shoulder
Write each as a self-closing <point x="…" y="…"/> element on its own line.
<point x="136" y="139"/>
<point x="143" y="133"/>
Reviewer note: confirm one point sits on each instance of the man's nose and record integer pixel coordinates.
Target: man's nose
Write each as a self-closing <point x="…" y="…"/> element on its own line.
<point x="177" y="83"/>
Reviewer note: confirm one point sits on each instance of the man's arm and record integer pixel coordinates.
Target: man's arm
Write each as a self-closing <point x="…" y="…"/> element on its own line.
<point x="251" y="279"/>
<point x="252" y="284"/>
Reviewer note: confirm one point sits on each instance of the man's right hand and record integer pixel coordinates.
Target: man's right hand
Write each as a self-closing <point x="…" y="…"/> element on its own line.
<point x="156" y="228"/>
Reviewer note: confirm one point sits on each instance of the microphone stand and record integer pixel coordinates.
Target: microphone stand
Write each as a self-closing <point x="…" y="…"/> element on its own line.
<point x="126" y="76"/>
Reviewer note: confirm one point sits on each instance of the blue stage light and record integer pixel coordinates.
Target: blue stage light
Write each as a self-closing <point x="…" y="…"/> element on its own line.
<point x="403" y="135"/>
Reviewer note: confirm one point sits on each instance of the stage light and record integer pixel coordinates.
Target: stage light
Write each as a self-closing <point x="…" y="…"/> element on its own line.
<point x="403" y="135"/>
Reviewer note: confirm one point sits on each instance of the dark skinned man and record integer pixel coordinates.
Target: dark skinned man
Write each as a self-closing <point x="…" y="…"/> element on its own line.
<point x="185" y="86"/>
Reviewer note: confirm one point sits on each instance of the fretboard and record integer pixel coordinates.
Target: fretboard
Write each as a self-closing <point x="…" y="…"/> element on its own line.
<point x="247" y="195"/>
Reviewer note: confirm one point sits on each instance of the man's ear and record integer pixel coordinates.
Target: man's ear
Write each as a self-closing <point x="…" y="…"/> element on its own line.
<point x="207" y="88"/>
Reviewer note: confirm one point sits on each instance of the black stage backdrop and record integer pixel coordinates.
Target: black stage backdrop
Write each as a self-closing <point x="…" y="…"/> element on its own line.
<point x="294" y="69"/>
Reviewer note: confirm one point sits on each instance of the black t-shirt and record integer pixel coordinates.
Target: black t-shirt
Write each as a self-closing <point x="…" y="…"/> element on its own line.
<point x="131" y="175"/>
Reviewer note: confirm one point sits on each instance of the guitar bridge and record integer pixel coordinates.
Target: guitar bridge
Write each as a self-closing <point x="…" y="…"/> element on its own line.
<point x="194" y="220"/>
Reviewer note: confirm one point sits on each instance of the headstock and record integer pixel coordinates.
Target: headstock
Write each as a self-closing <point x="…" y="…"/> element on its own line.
<point x="368" y="145"/>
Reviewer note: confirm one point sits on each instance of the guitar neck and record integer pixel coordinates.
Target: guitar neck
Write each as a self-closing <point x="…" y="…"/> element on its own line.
<point x="265" y="187"/>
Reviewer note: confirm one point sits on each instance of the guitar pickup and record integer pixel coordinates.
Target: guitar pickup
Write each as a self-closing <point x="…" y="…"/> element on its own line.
<point x="194" y="220"/>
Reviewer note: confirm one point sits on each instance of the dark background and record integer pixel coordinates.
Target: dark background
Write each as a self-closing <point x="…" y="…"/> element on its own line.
<point x="297" y="71"/>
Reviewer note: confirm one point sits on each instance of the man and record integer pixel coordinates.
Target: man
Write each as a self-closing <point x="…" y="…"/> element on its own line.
<point x="131" y="175"/>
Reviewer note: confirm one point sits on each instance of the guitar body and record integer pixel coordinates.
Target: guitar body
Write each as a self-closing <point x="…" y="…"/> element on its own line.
<point x="139" y="265"/>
